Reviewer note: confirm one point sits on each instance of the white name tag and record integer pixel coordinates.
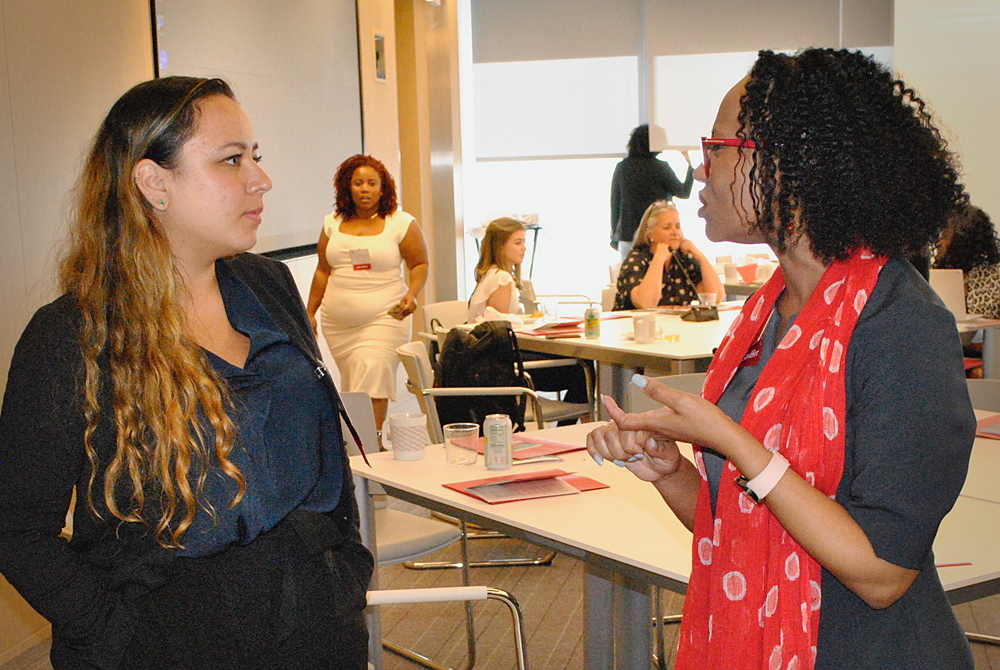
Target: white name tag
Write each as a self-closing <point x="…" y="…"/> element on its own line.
<point x="361" y="259"/>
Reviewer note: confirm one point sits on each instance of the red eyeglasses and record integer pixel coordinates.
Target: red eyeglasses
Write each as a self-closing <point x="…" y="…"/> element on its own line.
<point x="707" y="142"/>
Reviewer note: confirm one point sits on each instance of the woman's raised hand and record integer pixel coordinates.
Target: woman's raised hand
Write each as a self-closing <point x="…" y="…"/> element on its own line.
<point x="683" y="417"/>
<point x="647" y="455"/>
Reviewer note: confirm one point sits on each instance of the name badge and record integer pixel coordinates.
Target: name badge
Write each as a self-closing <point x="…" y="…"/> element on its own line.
<point x="361" y="259"/>
<point x="752" y="356"/>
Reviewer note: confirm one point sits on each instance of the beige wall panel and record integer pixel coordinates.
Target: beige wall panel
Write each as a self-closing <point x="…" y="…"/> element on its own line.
<point x="64" y="64"/>
<point x="13" y="305"/>
<point x="951" y="55"/>
<point x="723" y="26"/>
<point x="526" y="30"/>
<point x="379" y="98"/>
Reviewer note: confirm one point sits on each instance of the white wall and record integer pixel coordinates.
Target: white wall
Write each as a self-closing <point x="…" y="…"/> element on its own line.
<point x="950" y="52"/>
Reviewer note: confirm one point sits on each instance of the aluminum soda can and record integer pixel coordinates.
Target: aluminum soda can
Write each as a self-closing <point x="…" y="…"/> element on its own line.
<point x="592" y="323"/>
<point x="499" y="450"/>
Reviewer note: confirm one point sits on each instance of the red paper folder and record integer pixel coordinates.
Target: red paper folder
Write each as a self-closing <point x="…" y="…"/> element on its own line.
<point x="989" y="427"/>
<point x="526" y="486"/>
<point x="533" y="447"/>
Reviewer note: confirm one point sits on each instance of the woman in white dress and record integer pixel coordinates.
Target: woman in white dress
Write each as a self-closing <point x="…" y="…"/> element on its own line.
<point x="366" y="305"/>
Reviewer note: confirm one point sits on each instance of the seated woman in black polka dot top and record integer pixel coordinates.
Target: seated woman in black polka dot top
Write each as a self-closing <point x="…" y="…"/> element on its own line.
<point x="664" y="267"/>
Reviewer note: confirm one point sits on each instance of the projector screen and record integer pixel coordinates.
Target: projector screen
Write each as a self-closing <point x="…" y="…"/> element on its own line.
<point x="294" y="68"/>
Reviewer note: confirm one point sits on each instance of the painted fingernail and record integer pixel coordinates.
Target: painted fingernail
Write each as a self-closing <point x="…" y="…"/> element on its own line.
<point x="619" y="463"/>
<point x="605" y="399"/>
<point x="635" y="458"/>
<point x="639" y="381"/>
<point x="599" y="459"/>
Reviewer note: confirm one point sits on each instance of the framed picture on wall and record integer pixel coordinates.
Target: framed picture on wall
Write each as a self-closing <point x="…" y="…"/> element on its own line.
<point x="379" y="57"/>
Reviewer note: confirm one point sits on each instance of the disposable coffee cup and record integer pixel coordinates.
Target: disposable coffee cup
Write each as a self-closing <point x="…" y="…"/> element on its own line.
<point x="460" y="443"/>
<point x="406" y="434"/>
<point x="644" y="326"/>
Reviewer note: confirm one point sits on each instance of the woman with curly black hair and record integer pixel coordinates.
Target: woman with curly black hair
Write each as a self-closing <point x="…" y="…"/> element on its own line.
<point x="358" y="281"/>
<point x="834" y="429"/>
<point x="970" y="244"/>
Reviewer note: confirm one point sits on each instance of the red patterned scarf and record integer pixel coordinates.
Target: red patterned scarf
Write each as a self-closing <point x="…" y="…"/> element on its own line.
<point x="754" y="597"/>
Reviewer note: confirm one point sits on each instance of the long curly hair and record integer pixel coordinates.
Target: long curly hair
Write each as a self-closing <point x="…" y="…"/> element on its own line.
<point x="342" y="182"/>
<point x="973" y="241"/>
<point x="491" y="248"/>
<point x="847" y="149"/>
<point x="120" y="269"/>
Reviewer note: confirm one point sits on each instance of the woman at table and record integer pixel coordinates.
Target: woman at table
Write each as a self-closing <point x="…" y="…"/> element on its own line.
<point x="174" y="385"/>
<point x="498" y="278"/>
<point x="834" y="429"/>
<point x="664" y="267"/>
<point x="366" y="305"/>
<point x="970" y="244"/>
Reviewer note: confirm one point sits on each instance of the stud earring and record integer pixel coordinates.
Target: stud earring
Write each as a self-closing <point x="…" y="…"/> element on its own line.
<point x="163" y="204"/>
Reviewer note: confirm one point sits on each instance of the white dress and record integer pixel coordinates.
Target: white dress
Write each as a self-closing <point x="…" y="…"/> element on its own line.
<point x="491" y="281"/>
<point x="355" y="310"/>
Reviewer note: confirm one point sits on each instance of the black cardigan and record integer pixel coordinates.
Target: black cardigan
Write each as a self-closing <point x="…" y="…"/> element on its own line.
<point x="638" y="181"/>
<point x="84" y="587"/>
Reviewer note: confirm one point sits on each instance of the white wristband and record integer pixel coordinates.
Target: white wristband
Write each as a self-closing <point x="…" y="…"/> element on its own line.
<point x="763" y="483"/>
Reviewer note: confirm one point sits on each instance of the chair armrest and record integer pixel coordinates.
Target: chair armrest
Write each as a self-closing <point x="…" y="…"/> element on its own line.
<point x="479" y="390"/>
<point x="429" y="595"/>
<point x="551" y="363"/>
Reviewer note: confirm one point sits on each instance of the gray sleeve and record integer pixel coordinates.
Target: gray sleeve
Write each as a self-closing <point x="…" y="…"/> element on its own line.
<point x="910" y="422"/>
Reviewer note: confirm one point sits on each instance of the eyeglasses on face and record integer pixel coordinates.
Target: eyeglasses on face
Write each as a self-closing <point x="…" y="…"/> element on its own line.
<point x="707" y="142"/>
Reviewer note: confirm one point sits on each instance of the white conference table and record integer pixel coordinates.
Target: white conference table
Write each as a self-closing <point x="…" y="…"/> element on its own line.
<point x="695" y="341"/>
<point x="630" y="540"/>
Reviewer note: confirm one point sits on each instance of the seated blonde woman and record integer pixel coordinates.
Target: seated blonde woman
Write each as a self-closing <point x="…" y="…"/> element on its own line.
<point x="664" y="267"/>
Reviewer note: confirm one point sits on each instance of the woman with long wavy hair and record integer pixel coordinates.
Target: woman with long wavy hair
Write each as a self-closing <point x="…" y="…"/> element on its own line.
<point x="174" y="384"/>
<point x="834" y="429"/>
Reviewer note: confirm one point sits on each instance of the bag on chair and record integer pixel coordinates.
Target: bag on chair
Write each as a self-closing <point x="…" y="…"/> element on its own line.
<point x="487" y="356"/>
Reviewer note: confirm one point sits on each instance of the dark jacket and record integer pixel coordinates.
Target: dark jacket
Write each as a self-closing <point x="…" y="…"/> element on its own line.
<point x="639" y="181"/>
<point x="86" y="587"/>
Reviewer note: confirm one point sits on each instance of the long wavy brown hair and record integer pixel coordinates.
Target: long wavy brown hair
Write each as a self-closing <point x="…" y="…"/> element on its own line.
<point x="169" y="406"/>
<point x="491" y="249"/>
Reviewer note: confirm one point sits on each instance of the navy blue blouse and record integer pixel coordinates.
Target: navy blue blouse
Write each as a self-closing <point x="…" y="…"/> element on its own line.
<point x="288" y="434"/>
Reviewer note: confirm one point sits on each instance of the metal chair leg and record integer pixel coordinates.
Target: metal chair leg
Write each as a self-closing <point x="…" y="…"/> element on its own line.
<point x="492" y="563"/>
<point x="659" y="621"/>
<point x="983" y="639"/>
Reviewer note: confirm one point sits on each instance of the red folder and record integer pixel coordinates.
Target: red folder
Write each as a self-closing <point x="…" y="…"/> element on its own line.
<point x="992" y="424"/>
<point x="526" y="486"/>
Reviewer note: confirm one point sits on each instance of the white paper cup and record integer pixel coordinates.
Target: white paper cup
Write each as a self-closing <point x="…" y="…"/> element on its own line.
<point x="406" y="435"/>
<point x="460" y="442"/>
<point x="644" y="326"/>
<point x="706" y="298"/>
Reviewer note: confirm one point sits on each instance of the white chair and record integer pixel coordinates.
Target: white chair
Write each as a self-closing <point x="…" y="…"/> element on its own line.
<point x="455" y="594"/>
<point x="949" y="284"/>
<point x="442" y="316"/>
<point x="608" y="294"/>
<point x="420" y="382"/>
<point x="401" y="536"/>
<point x="985" y="394"/>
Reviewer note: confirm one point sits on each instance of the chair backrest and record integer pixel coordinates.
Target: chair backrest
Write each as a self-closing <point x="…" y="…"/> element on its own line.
<point x="985" y="394"/>
<point x="359" y="407"/>
<point x="449" y="312"/>
<point x="690" y="383"/>
<point x="613" y="270"/>
<point x="949" y="284"/>
<point x="608" y="294"/>
<point x="420" y="376"/>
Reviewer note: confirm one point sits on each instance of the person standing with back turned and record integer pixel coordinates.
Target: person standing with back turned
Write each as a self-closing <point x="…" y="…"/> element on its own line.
<point x="639" y="180"/>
